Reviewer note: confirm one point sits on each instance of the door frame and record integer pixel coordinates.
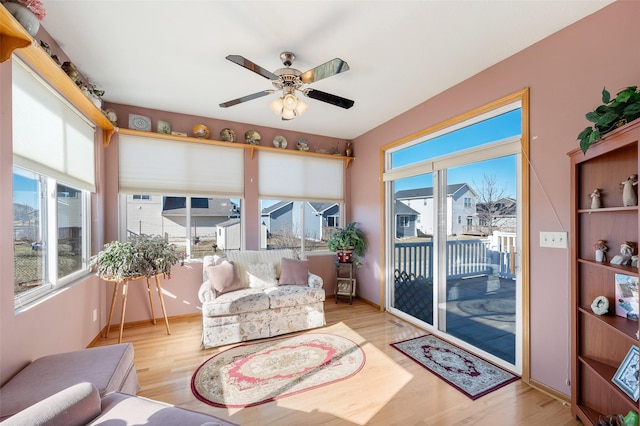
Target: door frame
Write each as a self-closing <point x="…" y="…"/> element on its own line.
<point x="521" y="96"/>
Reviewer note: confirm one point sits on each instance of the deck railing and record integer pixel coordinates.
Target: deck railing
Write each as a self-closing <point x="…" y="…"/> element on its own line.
<point x="464" y="259"/>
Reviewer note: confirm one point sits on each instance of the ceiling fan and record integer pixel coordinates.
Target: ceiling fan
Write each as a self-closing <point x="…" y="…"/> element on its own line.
<point x="289" y="81"/>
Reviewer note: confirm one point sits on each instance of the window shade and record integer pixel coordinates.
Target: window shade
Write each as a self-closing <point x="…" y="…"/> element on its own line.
<point x="151" y="165"/>
<point x="49" y="137"/>
<point x="289" y="177"/>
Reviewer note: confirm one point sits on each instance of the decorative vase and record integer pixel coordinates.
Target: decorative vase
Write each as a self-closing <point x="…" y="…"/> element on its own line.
<point x="345" y="256"/>
<point x="24" y="16"/>
<point x="600" y="256"/>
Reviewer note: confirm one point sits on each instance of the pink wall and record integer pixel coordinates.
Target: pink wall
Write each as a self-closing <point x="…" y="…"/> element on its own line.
<point x="565" y="73"/>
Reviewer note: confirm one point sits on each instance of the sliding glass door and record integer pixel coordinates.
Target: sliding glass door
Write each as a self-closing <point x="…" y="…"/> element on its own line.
<point x="453" y="235"/>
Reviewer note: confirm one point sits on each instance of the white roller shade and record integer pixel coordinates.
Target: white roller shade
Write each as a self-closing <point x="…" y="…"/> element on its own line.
<point x="49" y="136"/>
<point x="151" y="165"/>
<point x="290" y="177"/>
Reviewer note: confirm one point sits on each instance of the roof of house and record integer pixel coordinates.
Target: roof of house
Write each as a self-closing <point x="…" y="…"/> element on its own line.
<point x="321" y="207"/>
<point x="428" y="192"/>
<point x="502" y="207"/>
<point x="200" y="207"/>
<point x="403" y="209"/>
<point x="277" y="206"/>
<point x="228" y="223"/>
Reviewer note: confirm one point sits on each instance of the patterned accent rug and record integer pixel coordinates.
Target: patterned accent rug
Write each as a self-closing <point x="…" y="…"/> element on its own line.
<point x="255" y="373"/>
<point x="469" y="374"/>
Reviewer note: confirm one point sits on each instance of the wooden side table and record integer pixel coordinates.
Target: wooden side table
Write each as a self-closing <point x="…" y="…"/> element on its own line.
<point x="125" y="288"/>
<point x="345" y="281"/>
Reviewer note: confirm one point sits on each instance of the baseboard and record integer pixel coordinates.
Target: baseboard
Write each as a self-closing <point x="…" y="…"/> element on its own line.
<point x="566" y="400"/>
<point x="134" y="324"/>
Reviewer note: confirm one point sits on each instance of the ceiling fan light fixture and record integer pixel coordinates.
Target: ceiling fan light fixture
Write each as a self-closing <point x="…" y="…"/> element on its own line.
<point x="290" y="101"/>
<point x="288" y="114"/>
<point x="302" y="107"/>
<point x="277" y="106"/>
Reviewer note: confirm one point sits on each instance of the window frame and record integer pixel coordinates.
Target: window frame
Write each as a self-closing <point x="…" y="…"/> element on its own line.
<point x="50" y="280"/>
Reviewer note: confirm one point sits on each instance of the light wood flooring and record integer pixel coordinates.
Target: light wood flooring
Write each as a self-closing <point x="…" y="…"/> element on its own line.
<point x="391" y="389"/>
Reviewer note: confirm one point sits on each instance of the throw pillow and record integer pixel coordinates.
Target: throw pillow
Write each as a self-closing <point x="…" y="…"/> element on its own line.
<point x="294" y="271"/>
<point x="262" y="275"/>
<point x="224" y="278"/>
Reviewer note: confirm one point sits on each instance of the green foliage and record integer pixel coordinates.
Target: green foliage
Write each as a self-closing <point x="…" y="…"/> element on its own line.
<point x="347" y="238"/>
<point x="624" y="108"/>
<point x="139" y="256"/>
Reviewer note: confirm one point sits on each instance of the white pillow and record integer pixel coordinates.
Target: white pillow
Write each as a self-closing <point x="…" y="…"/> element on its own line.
<point x="262" y="275"/>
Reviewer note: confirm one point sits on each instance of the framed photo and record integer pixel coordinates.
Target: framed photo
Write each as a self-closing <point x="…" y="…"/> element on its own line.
<point x="164" y="127"/>
<point x="627" y="375"/>
<point x="627" y="296"/>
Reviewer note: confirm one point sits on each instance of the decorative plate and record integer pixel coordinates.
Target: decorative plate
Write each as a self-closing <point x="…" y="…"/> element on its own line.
<point x="227" y="135"/>
<point x="280" y="142"/>
<point x="252" y="137"/>
<point x="201" y="131"/>
<point x="302" y="145"/>
<point x="139" y="122"/>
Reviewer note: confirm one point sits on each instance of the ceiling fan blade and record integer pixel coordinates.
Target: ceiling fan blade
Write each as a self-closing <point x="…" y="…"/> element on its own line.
<point x="329" y="98"/>
<point x="246" y="98"/>
<point x="333" y="67"/>
<point x="244" y="62"/>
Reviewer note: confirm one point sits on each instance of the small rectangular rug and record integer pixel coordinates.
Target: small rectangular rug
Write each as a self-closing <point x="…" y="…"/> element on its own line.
<point x="469" y="374"/>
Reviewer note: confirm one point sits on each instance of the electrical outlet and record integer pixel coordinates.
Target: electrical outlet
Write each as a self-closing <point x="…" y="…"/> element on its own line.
<point x="553" y="239"/>
<point x="95" y="315"/>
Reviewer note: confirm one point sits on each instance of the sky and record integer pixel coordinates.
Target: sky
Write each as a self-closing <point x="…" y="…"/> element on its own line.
<point x="491" y="130"/>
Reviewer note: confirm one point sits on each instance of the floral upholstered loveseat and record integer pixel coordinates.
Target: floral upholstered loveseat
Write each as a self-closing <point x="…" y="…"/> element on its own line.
<point x="250" y="295"/>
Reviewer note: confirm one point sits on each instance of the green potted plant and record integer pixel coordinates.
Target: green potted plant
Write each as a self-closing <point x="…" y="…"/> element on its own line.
<point x="613" y="113"/>
<point x="141" y="255"/>
<point x="349" y="243"/>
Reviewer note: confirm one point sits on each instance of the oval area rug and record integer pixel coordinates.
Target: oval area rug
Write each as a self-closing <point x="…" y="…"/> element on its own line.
<point x="255" y="373"/>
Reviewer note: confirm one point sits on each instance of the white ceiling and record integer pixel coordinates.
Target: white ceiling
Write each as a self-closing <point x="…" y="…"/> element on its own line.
<point x="170" y="55"/>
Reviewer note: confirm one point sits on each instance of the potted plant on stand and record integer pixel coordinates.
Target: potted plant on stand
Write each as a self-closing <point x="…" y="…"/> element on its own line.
<point x="139" y="256"/>
<point x="349" y="243"/>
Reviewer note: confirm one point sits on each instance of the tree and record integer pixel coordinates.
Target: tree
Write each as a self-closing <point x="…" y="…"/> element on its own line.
<point x="493" y="205"/>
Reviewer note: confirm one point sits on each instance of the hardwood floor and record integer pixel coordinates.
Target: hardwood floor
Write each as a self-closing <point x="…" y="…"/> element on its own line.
<point x="391" y="389"/>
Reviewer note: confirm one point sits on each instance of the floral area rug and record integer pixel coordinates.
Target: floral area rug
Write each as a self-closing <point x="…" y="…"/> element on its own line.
<point x="469" y="374"/>
<point x="252" y="374"/>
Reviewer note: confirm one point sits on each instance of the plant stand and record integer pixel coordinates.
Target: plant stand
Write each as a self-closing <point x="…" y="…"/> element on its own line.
<point x="125" y="289"/>
<point x="345" y="284"/>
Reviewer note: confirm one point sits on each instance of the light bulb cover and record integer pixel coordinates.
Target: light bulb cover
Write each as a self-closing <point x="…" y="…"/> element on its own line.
<point x="302" y="107"/>
<point x="276" y="106"/>
<point x="290" y="101"/>
<point x="288" y="114"/>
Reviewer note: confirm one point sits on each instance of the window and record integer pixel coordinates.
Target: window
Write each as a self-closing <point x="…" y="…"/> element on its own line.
<point x="50" y="234"/>
<point x="467" y="201"/>
<point x="200" y="226"/>
<point x="184" y="203"/>
<point x="53" y="176"/>
<point x="459" y="219"/>
<point x="403" y="221"/>
<point x="300" y="203"/>
<point x="302" y="225"/>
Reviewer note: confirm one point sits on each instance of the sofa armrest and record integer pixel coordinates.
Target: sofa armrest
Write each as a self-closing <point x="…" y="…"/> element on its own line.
<point x="75" y="405"/>
<point x="205" y="293"/>
<point x="315" y="281"/>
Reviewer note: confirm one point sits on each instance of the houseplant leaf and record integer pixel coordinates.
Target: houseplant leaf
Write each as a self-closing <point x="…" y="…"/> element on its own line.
<point x="606" y="96"/>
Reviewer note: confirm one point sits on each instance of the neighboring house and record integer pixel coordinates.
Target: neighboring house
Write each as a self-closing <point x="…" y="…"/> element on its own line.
<point x="405" y="220"/>
<point x="167" y="216"/>
<point x="284" y="217"/>
<point x="499" y="215"/>
<point x="461" y="207"/>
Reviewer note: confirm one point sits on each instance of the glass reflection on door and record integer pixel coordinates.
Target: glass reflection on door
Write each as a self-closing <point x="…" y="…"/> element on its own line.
<point x="413" y="268"/>
<point x="478" y="302"/>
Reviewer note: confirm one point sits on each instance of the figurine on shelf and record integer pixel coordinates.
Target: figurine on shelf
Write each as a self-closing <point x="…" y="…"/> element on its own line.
<point x="348" y="149"/>
<point x="629" y="197"/>
<point x="600" y="305"/>
<point x="626" y="252"/>
<point x="601" y="250"/>
<point x="595" y="198"/>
